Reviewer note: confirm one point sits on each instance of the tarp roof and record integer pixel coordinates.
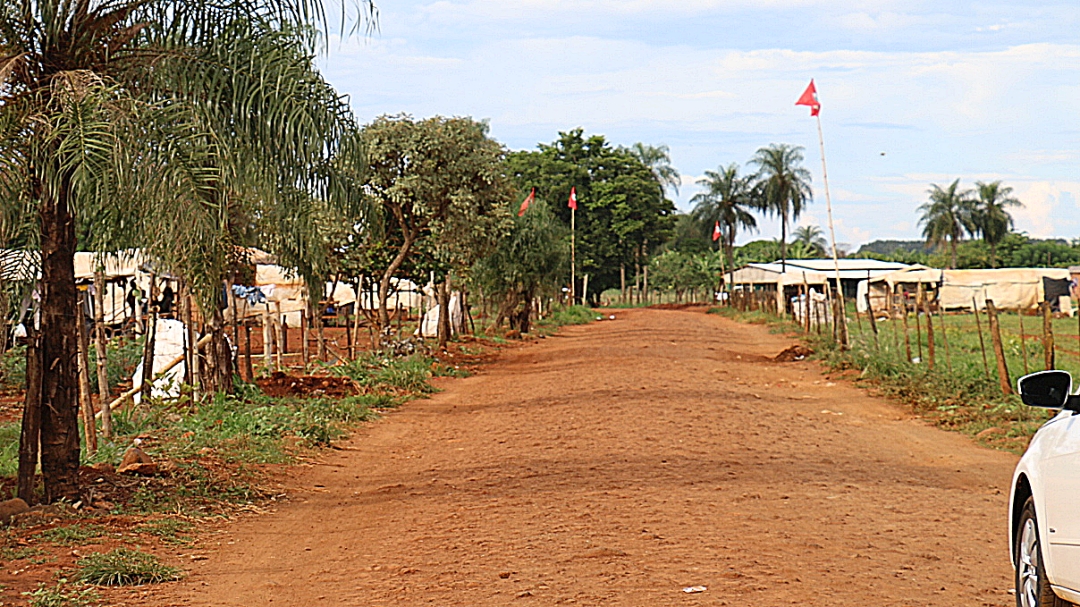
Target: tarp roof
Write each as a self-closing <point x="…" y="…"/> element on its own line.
<point x="850" y="269"/>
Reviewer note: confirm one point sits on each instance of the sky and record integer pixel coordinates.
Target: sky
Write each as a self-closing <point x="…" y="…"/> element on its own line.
<point x="913" y="92"/>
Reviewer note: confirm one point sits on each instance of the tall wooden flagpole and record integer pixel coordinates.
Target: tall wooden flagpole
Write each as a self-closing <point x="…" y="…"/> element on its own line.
<point x="832" y="235"/>
<point x="572" y="203"/>
<point x="810" y="98"/>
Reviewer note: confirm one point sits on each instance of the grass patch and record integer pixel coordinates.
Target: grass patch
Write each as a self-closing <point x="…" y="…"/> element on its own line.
<point x="12" y="553"/>
<point x="124" y="567"/>
<point x="572" y="315"/>
<point x="170" y="530"/>
<point x="72" y="534"/>
<point x="63" y="594"/>
<point x="378" y="371"/>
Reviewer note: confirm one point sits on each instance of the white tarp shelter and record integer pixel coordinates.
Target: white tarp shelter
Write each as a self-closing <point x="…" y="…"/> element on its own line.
<point x="1008" y="288"/>
<point x="772" y="277"/>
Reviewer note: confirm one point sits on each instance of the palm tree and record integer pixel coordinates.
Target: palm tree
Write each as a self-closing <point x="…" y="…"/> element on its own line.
<point x="148" y="120"/>
<point x="947" y="215"/>
<point x="991" y="217"/>
<point x="784" y="186"/>
<point x="812" y="239"/>
<point x="727" y="199"/>
<point x="658" y="159"/>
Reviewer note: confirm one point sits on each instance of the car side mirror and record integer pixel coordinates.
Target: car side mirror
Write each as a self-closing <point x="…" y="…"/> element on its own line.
<point x="1048" y="389"/>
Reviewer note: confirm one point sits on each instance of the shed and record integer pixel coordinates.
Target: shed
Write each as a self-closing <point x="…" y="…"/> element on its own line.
<point x="1008" y="288"/>
<point x="770" y="277"/>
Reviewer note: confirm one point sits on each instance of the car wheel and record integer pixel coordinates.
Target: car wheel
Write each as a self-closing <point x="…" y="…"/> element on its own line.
<point x="1032" y="587"/>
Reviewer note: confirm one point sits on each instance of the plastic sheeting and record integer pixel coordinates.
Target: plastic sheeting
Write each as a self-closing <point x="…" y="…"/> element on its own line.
<point x="168" y="346"/>
<point x="430" y="325"/>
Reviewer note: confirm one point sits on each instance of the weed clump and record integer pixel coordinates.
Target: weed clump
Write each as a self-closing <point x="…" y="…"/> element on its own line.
<point x="62" y="595"/>
<point x="124" y="567"/>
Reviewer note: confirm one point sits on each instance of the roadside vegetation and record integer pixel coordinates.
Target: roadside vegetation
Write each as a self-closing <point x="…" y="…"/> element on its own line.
<point x="959" y="393"/>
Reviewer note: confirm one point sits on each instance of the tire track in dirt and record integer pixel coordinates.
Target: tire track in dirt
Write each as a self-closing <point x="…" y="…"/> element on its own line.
<point x="616" y="464"/>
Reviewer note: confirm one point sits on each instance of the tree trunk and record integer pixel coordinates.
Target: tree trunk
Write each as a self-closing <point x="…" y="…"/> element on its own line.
<point x="59" y="346"/>
<point x="952" y="246"/>
<point x="783" y="239"/>
<point x="219" y="376"/>
<point x="444" y="313"/>
<point x="151" y="337"/>
<point x="993" y="255"/>
<point x="384" y="283"/>
<point x="101" y="351"/>
<point x="30" y="436"/>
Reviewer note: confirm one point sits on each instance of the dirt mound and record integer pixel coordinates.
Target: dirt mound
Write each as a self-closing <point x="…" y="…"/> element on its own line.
<point x="283" y="384"/>
<point x="792" y="354"/>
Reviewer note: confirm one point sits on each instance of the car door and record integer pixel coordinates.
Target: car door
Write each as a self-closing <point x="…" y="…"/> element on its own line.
<point x="1059" y="469"/>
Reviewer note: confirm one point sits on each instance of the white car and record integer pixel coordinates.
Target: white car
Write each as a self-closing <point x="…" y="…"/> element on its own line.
<point x="1044" y="505"/>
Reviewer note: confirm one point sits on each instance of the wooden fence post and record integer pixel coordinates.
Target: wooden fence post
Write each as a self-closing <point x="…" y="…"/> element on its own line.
<point x="873" y="321"/>
<point x="918" y="327"/>
<point x="944" y="336"/>
<point x="930" y="346"/>
<point x="89" y="427"/>
<point x="999" y="350"/>
<point x="268" y="340"/>
<point x="907" y="335"/>
<point x="1023" y="340"/>
<point x="249" y="371"/>
<point x="1048" y="335"/>
<point x="982" y="343"/>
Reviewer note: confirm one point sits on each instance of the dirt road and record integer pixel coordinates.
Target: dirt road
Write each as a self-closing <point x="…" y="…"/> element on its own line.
<point x="618" y="463"/>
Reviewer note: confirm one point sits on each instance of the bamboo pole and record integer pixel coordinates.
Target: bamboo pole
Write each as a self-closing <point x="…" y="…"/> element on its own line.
<point x="1023" y="340"/>
<point x="119" y="400"/>
<point x="982" y="343"/>
<point x="268" y="346"/>
<point x="304" y="337"/>
<point x="151" y="336"/>
<point x="1048" y="335"/>
<point x="999" y="350"/>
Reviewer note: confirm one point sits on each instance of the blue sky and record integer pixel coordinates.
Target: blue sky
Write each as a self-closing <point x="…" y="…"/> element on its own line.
<point x="978" y="90"/>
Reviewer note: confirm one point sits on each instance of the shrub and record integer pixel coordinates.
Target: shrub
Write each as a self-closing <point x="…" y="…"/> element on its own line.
<point x="124" y="567"/>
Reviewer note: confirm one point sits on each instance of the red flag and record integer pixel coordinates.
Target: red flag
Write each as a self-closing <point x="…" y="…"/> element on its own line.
<point x="716" y="232"/>
<point x="809" y="98"/>
<point x="525" y="203"/>
<point x="573" y="199"/>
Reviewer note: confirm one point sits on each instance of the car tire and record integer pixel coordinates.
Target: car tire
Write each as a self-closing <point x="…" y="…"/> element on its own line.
<point x="1032" y="587"/>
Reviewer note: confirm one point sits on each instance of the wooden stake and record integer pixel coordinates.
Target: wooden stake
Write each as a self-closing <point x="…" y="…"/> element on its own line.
<point x="1048" y="335"/>
<point x="930" y="346"/>
<point x="873" y="321"/>
<point x="268" y="341"/>
<point x="944" y="336"/>
<point x="248" y="370"/>
<point x="304" y="337"/>
<point x="918" y="329"/>
<point x="101" y="350"/>
<point x="982" y="343"/>
<point x="89" y="427"/>
<point x="999" y="350"/>
<point x="907" y="336"/>
<point x="1023" y="340"/>
<point x="151" y="337"/>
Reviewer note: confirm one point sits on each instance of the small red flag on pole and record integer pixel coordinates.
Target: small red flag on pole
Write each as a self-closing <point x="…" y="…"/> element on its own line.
<point x="809" y="98"/>
<point x="572" y="203"/>
<point x="525" y="203"/>
<point x="716" y="232"/>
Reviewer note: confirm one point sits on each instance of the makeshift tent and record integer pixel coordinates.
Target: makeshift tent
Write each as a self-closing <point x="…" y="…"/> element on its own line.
<point x="1008" y="288"/>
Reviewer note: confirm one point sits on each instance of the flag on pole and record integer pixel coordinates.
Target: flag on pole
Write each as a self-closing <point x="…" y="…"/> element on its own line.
<point x="525" y="203"/>
<point x="572" y="203"/>
<point x="809" y="98"/>
<point x="716" y="232"/>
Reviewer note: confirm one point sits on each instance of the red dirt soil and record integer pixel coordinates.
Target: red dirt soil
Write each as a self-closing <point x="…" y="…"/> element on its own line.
<point x="616" y="464"/>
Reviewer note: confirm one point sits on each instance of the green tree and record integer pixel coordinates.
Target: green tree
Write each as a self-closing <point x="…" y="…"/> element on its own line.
<point x="439" y="180"/>
<point x="134" y="115"/>
<point x="658" y="159"/>
<point x="728" y="200"/>
<point x="528" y="262"/>
<point x="622" y="211"/>
<point x="812" y="239"/>
<point x="784" y="186"/>
<point x="991" y="217"/>
<point x="946" y="216"/>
